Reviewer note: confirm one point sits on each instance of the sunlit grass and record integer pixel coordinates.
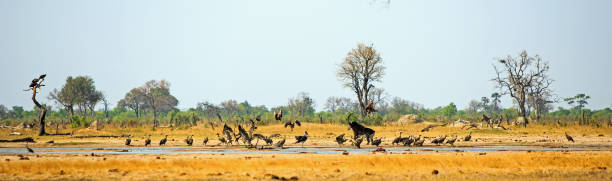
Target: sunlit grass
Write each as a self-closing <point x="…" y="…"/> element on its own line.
<point x="451" y="166"/>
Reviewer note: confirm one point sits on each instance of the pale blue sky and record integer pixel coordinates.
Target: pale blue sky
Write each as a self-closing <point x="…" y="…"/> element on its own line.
<point x="267" y="51"/>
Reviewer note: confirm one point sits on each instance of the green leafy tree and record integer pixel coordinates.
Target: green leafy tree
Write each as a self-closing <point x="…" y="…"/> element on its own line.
<point x="484" y="101"/>
<point x="580" y="101"/>
<point x="495" y="102"/>
<point x="303" y="104"/>
<point x="17" y="112"/>
<point x="449" y="111"/>
<point x="134" y="100"/>
<point x="79" y="91"/>
<point x="4" y="112"/>
<point x="157" y="98"/>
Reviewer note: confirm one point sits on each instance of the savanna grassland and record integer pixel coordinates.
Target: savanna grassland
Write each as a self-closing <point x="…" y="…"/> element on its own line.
<point x="380" y="166"/>
<point x="508" y="165"/>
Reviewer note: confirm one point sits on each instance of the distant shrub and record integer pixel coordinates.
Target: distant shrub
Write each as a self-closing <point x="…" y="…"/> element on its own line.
<point x="79" y="121"/>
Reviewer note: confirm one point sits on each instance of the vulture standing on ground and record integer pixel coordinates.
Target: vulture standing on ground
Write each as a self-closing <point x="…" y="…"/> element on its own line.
<point x="280" y="143"/>
<point x="419" y="142"/>
<point x="468" y="137"/>
<point x="221" y="139"/>
<point x="189" y="140"/>
<point x="148" y="141"/>
<point x="377" y="142"/>
<point x="569" y="138"/>
<point x="29" y="149"/>
<point x="128" y="141"/>
<point x="357" y="142"/>
<point x="398" y="139"/>
<point x="452" y="141"/>
<point x="163" y="141"/>
<point x="340" y="139"/>
<point x="205" y="141"/>
<point x="302" y="139"/>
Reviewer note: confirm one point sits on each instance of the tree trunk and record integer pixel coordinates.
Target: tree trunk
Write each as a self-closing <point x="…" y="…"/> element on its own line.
<point x="137" y="112"/>
<point x="41" y="131"/>
<point x="154" y="117"/>
<point x="522" y="113"/>
<point x="320" y="119"/>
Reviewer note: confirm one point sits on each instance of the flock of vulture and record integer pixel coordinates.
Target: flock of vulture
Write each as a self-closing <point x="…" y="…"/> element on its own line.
<point x="247" y="136"/>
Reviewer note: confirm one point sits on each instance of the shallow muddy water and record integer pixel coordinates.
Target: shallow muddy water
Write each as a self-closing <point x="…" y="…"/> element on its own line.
<point x="290" y="150"/>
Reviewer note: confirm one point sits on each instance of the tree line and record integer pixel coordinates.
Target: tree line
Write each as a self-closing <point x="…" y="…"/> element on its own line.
<point x="523" y="78"/>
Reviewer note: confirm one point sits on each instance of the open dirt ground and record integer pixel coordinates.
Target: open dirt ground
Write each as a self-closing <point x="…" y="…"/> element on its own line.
<point x="406" y="165"/>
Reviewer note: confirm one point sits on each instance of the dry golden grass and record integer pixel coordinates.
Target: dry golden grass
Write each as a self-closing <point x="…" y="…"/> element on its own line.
<point x="451" y="166"/>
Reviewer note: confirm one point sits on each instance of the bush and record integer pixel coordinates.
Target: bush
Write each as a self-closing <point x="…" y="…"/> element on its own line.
<point x="79" y="121"/>
<point x="374" y="119"/>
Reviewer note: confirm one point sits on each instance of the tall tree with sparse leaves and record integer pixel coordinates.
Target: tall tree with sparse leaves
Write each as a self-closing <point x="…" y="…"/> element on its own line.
<point x="362" y="67"/>
<point x="518" y="76"/>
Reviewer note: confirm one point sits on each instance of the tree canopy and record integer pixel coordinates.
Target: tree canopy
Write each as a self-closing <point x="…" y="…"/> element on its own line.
<point x="360" y="69"/>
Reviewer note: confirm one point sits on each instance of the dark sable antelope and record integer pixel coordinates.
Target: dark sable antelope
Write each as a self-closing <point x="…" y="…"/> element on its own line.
<point x="360" y="130"/>
<point x="302" y="139"/>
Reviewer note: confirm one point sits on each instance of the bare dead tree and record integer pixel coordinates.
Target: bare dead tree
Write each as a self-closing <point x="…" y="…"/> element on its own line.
<point x="519" y="77"/>
<point x="35" y="85"/>
<point x="360" y="69"/>
<point x="540" y="98"/>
